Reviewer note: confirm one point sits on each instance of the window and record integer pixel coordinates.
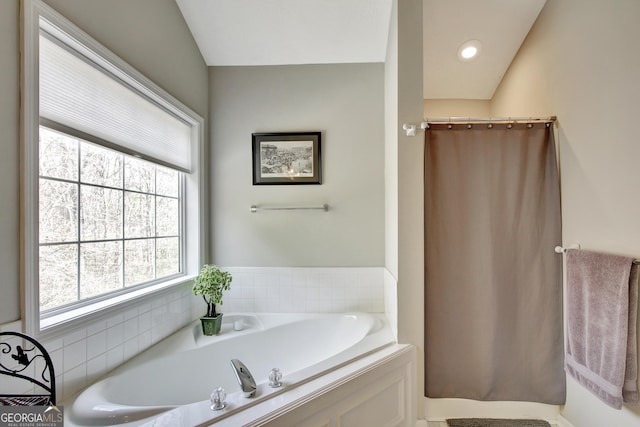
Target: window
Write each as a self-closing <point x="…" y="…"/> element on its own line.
<point x="108" y="221"/>
<point x="110" y="162"/>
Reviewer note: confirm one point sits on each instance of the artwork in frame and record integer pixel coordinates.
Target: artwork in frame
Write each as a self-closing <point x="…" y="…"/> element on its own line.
<point x="286" y="158"/>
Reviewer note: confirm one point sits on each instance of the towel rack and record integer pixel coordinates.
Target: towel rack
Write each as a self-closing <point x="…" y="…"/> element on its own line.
<point x="561" y="250"/>
<point x="255" y="208"/>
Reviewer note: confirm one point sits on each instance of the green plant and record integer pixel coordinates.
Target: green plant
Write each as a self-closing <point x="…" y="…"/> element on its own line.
<point x="210" y="283"/>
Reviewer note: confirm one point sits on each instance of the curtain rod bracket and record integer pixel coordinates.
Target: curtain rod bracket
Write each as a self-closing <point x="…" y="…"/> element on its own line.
<point x="410" y="129"/>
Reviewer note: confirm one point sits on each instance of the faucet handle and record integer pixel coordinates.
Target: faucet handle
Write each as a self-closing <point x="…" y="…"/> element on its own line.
<point x="218" y="399"/>
<point x="275" y="377"/>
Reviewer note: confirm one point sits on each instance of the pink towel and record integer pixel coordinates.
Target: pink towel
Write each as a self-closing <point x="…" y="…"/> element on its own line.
<point x="602" y="308"/>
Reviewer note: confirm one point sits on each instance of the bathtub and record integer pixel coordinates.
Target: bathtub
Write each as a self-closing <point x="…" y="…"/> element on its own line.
<point x="170" y="383"/>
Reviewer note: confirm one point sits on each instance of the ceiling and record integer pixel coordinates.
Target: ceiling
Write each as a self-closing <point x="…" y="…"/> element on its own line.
<point x="500" y="25"/>
<point x="276" y="32"/>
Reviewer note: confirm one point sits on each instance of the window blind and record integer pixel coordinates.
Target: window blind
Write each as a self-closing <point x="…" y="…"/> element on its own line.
<point x="77" y="93"/>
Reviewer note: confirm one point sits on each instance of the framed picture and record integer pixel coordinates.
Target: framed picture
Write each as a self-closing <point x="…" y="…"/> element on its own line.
<point x="286" y="158"/>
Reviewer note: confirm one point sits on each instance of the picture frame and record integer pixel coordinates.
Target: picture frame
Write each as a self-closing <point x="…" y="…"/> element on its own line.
<point x="287" y="158"/>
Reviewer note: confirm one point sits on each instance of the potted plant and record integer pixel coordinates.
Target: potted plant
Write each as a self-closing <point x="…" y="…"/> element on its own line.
<point x="210" y="283"/>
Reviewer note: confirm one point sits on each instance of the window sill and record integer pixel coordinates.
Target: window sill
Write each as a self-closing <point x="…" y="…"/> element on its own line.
<point x="73" y="318"/>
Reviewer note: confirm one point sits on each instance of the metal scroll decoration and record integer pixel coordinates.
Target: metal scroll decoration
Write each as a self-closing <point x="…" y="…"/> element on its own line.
<point x="15" y="361"/>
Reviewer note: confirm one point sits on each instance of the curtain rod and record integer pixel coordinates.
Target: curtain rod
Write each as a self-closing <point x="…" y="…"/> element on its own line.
<point x="410" y="129"/>
<point x="480" y="120"/>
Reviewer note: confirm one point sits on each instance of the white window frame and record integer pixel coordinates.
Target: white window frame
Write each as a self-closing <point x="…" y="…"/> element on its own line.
<point x="194" y="192"/>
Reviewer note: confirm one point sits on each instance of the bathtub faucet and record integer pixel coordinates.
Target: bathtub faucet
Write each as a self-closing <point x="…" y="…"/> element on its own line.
<point x="247" y="383"/>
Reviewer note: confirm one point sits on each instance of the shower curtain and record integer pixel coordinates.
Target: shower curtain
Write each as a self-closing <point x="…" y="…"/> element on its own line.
<point x="493" y="284"/>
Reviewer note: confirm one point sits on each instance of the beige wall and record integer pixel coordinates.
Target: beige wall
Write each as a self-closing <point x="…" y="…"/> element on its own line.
<point x="440" y="108"/>
<point x="391" y="129"/>
<point x="404" y="255"/>
<point x="344" y="102"/>
<point x="9" y="162"/>
<point x="580" y="63"/>
<point x="149" y="34"/>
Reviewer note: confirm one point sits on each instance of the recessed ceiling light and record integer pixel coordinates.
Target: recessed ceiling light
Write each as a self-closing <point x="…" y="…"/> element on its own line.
<point x="469" y="50"/>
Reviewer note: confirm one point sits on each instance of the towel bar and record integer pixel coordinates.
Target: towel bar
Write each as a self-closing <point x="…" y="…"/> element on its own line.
<point x="561" y="250"/>
<point x="255" y="208"/>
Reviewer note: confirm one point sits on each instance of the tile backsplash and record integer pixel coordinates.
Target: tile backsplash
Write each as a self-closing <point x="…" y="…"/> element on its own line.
<point x="305" y="290"/>
<point x="85" y="354"/>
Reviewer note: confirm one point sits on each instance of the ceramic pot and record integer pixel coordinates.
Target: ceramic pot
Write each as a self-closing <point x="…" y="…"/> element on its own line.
<point x="211" y="325"/>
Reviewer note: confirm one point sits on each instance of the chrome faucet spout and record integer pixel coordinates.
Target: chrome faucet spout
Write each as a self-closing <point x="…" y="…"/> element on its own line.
<point x="245" y="379"/>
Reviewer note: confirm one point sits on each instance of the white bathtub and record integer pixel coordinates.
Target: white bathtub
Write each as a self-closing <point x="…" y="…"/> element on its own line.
<point x="175" y="377"/>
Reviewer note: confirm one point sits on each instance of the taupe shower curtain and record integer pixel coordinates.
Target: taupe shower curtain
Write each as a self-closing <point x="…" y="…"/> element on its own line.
<point x="493" y="284"/>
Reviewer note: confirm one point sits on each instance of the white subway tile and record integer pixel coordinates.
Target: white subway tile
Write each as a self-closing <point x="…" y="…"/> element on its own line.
<point x="351" y="305"/>
<point x="351" y="293"/>
<point x="175" y="306"/>
<point x="339" y="292"/>
<point x="144" y="307"/>
<point x="338" y="306"/>
<point x="242" y="278"/>
<point x="59" y="387"/>
<point x="247" y="306"/>
<point x="115" y="357"/>
<point x="57" y="358"/>
<point x="96" y="367"/>
<point x="114" y="320"/>
<point x="130" y="329"/>
<point x="377" y="306"/>
<point x="365" y="292"/>
<point x="324" y="293"/>
<point x="233" y="292"/>
<point x="300" y="293"/>
<point x="273" y="292"/>
<point x="96" y="344"/>
<point x="286" y="305"/>
<point x="261" y="306"/>
<point x="115" y="335"/>
<point x="131" y="348"/>
<point x="144" y="321"/>
<point x="159" y="301"/>
<point x="286" y="277"/>
<point x="298" y="306"/>
<point x="248" y="292"/>
<point x="299" y="278"/>
<point x="144" y="340"/>
<point x="97" y="326"/>
<point x="311" y="306"/>
<point x="75" y="380"/>
<point x="74" y="336"/>
<point x="260" y="293"/>
<point x="74" y="354"/>
<point x="130" y="313"/>
<point x="53" y="345"/>
<point x="260" y="280"/>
